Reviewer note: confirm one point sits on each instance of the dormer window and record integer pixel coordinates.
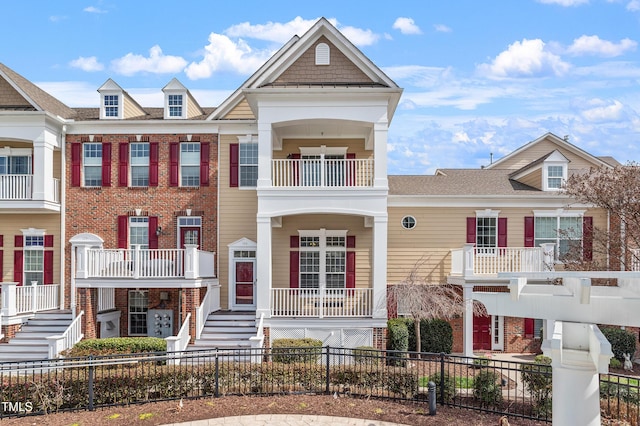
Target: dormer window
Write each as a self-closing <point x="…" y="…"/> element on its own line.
<point x="111" y="105"/>
<point x="554" y="177"/>
<point x="554" y="171"/>
<point x="175" y="105"/>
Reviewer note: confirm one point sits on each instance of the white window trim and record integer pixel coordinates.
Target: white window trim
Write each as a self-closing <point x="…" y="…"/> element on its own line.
<point x="182" y="164"/>
<point x="415" y="222"/>
<point x="483" y="214"/>
<point x="487" y="213"/>
<point x="180" y="226"/>
<point x="8" y="151"/>
<point x="103" y="107"/>
<point x="84" y="165"/>
<point x="33" y="232"/>
<point x="131" y="165"/>
<point x="322" y="234"/>
<point x="555" y="159"/>
<point x="129" y="312"/>
<point x="558" y="213"/>
<point x="167" y="114"/>
<point x="243" y="140"/>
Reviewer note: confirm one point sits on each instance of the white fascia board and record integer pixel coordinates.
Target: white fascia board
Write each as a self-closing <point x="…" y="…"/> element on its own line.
<point x="140" y="126"/>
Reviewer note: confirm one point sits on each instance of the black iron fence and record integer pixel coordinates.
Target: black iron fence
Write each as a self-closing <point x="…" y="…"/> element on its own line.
<point x="511" y="388"/>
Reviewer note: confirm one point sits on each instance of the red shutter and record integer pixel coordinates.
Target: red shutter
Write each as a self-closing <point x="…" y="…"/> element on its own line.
<point x="294" y="242"/>
<point x="76" y="162"/>
<point x="18" y="241"/>
<point x="502" y="232"/>
<point x="48" y="240"/>
<point x="529" y="231"/>
<point x="351" y="269"/>
<point x="48" y="267"/>
<point x="204" y="164"/>
<point x="174" y="155"/>
<point x="123" y="164"/>
<point x="154" y="155"/>
<point x="153" y="227"/>
<point x="471" y="230"/>
<point x="106" y="164"/>
<point x="351" y="241"/>
<point x="18" y="263"/>
<point x="294" y="269"/>
<point x="528" y="328"/>
<point x="351" y="169"/>
<point x="587" y="238"/>
<point x="234" y="164"/>
<point x="123" y="227"/>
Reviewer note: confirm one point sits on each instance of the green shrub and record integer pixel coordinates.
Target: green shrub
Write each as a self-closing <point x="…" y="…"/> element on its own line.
<point x="289" y="351"/>
<point x="397" y="340"/>
<point x="365" y="355"/>
<point x="487" y="389"/>
<point x="481" y="362"/>
<point x="614" y="363"/>
<point x="436" y="336"/>
<point x="117" y="345"/>
<point x="537" y="379"/>
<point x="449" y="386"/>
<point x="622" y="341"/>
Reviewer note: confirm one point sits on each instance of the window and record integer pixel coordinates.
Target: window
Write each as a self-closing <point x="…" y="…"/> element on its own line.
<point x="554" y="177"/>
<point x="248" y="164"/>
<point x="139" y="232"/>
<point x="189" y="164"/>
<point x="34" y="259"/>
<point x="408" y="222"/>
<point x="138" y="308"/>
<point x="486" y="232"/>
<point x="322" y="54"/>
<point x="139" y="161"/>
<point x="111" y="106"/>
<point x="15" y="165"/>
<point x="323" y="259"/>
<point x="92" y="164"/>
<point x="175" y="105"/>
<point x="564" y="231"/>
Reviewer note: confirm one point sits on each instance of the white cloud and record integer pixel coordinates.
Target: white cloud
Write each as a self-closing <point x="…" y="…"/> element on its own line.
<point x="72" y="93"/>
<point x="89" y="64"/>
<point x="57" y="18"/>
<point x="528" y="58"/>
<point x="406" y="26"/>
<point x="565" y="3"/>
<point x="633" y="6"/>
<point x="603" y="111"/>
<point x="224" y="54"/>
<point x="93" y="9"/>
<point x="441" y="28"/>
<point x="594" y="45"/>
<point x="359" y="37"/>
<point x="156" y="63"/>
<point x="271" y="31"/>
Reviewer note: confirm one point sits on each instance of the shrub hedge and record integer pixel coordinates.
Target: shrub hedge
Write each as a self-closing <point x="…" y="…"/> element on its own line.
<point x="117" y="345"/>
<point x="436" y="336"/>
<point x="296" y="350"/>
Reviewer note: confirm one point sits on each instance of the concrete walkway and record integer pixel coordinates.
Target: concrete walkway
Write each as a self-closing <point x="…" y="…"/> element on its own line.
<point x="285" y="420"/>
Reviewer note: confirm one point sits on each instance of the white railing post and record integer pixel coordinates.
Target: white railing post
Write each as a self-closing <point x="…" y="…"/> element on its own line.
<point x="191" y="264"/>
<point x="179" y="342"/>
<point x="468" y="260"/>
<point x="136" y="261"/>
<point x="257" y="342"/>
<point x="548" y="257"/>
<point x="9" y="299"/>
<point x="34" y="296"/>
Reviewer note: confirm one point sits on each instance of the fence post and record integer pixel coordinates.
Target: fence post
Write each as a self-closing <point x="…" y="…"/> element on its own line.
<point x="431" y="387"/>
<point x="441" y="378"/>
<point x="91" y="368"/>
<point x="327" y="390"/>
<point x="217" y="375"/>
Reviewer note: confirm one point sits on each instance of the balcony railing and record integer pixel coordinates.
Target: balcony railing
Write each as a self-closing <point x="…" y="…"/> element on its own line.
<point x="29" y="299"/>
<point x="146" y="263"/>
<point x="106" y="299"/>
<point x="20" y="187"/>
<point x="321" y="303"/>
<point x="471" y="261"/>
<point x="323" y="173"/>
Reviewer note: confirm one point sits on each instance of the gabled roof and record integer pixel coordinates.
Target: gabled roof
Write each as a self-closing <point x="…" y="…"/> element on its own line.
<point x="553" y="155"/>
<point x="34" y="96"/>
<point x="176" y="86"/>
<point x="557" y="141"/>
<point x="266" y="76"/>
<point x="111" y="85"/>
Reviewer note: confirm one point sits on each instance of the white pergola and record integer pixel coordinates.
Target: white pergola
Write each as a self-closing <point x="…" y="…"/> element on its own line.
<point x="578" y="350"/>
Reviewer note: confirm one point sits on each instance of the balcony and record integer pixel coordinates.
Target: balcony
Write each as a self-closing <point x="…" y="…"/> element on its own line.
<point x="322" y="173"/>
<point x="20" y="188"/>
<point x="322" y="303"/>
<point x="471" y="261"/>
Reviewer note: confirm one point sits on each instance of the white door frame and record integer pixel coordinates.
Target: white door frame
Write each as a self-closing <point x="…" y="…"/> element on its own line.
<point x="497" y="333"/>
<point x="244" y="245"/>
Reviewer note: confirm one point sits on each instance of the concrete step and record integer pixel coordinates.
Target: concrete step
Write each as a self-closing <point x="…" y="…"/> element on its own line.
<point x="228" y="329"/>
<point x="46" y="321"/>
<point x="25" y="349"/>
<point x="52" y="315"/>
<point x="229" y="323"/>
<point x="28" y="328"/>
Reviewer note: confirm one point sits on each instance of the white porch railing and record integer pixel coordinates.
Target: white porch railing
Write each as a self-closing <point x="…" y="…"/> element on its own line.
<point x="321" y="303"/>
<point x="210" y="303"/>
<point x="30" y="298"/>
<point x="179" y="342"/>
<point x="106" y="299"/>
<point x="257" y="342"/>
<point x="323" y="172"/>
<point x="66" y="340"/>
<point x="16" y="187"/>
<point x="470" y="260"/>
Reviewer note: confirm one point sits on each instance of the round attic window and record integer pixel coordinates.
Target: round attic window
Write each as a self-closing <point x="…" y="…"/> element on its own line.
<point x="408" y="222"/>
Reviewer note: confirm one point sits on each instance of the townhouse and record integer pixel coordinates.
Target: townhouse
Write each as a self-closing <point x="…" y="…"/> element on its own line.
<point x="275" y="205"/>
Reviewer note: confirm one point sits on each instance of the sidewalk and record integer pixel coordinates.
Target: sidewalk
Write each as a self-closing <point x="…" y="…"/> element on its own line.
<point x="285" y="420"/>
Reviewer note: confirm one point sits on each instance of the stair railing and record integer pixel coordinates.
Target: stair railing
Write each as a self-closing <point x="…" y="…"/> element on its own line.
<point x="210" y="303"/>
<point x="257" y="341"/>
<point x="179" y="342"/>
<point x="66" y="340"/>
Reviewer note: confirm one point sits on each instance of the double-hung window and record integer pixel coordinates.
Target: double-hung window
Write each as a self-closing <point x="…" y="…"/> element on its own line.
<point x="486" y="234"/>
<point x="15" y="165"/>
<point x="322" y="259"/>
<point x="92" y="164"/>
<point x="139" y="232"/>
<point x="111" y="105"/>
<point x="555" y="175"/>
<point x="34" y="259"/>
<point x="138" y="309"/>
<point x="564" y="231"/>
<point x="189" y="164"/>
<point x="175" y="105"/>
<point x="248" y="164"/>
<point x="139" y="161"/>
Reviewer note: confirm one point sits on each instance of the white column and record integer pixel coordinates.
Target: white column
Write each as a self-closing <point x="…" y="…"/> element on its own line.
<point x="42" y="170"/>
<point x="379" y="265"/>
<point x="263" y="273"/>
<point x="380" y="130"/>
<point x="264" y="154"/>
<point x="467" y="294"/>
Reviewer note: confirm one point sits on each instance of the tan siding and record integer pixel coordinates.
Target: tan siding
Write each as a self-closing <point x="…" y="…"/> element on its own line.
<point x="10" y="96"/>
<point x="242" y="111"/>
<point x="130" y="108"/>
<point x="539" y="150"/>
<point x="192" y="108"/>
<point x="340" y="70"/>
<point x="533" y="179"/>
<point x="438" y="230"/>
<point x="11" y="225"/>
<point x="57" y="165"/>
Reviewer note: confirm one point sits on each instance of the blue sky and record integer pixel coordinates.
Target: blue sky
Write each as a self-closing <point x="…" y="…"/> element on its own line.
<point x="479" y="77"/>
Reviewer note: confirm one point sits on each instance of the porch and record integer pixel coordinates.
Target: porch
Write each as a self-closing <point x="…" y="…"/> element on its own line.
<point x="25" y="300"/>
<point x="470" y="261"/>
<point x="322" y="303"/>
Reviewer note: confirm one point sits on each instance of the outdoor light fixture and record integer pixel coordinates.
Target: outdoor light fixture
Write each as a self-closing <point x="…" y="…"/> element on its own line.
<point x="158" y="230"/>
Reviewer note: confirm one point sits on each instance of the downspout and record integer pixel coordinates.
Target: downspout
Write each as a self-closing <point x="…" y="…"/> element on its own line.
<point x="63" y="204"/>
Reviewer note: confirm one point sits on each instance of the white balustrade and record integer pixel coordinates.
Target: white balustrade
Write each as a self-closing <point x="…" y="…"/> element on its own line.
<point x="206" y="264"/>
<point x="210" y="303"/>
<point x="494" y="260"/>
<point x="257" y="342"/>
<point x="16" y="187"/>
<point x="34" y="298"/>
<point x="66" y="340"/>
<point x="179" y="342"/>
<point x="325" y="173"/>
<point x="321" y="303"/>
<point x="106" y="299"/>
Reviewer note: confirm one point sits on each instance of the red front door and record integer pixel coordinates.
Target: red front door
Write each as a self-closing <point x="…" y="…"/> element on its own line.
<point x="481" y="333"/>
<point x="190" y="235"/>
<point x="244" y="282"/>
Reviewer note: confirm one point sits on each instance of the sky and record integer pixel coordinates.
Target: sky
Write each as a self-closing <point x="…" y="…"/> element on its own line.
<point x="480" y="78"/>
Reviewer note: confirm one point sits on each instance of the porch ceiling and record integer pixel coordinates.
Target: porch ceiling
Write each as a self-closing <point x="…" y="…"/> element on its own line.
<point x="321" y="129"/>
